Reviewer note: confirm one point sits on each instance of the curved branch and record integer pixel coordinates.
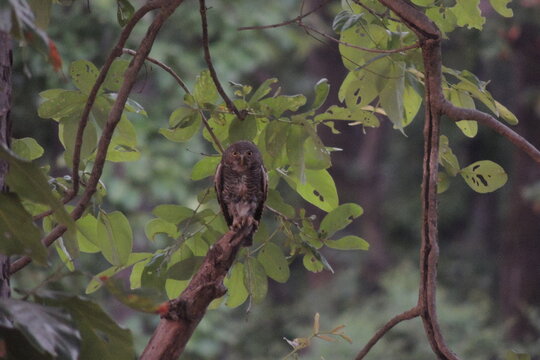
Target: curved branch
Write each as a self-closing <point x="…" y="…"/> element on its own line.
<point x="115" y="114"/>
<point x="116" y="52"/>
<point x="230" y="105"/>
<point x="407" y="315"/>
<point x="183" y="86"/>
<point x="186" y="311"/>
<point x="456" y="113"/>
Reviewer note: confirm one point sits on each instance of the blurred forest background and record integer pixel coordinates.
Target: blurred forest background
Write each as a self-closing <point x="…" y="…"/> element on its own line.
<point x="489" y="290"/>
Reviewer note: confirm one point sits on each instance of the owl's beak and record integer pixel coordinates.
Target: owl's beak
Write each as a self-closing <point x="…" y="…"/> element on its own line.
<point x="242" y="160"/>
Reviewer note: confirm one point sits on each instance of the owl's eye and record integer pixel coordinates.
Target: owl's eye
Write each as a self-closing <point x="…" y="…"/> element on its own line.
<point x="249" y="153"/>
<point x="235" y="153"/>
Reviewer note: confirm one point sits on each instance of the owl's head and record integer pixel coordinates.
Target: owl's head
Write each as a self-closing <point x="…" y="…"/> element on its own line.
<point x="242" y="155"/>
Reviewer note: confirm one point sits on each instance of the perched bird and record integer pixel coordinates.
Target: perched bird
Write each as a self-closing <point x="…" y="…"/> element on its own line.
<point x="241" y="185"/>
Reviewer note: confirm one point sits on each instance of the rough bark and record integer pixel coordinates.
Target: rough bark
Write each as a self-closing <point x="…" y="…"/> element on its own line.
<point x="6" y="61"/>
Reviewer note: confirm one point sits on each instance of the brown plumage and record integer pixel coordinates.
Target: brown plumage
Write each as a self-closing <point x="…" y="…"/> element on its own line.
<point x="241" y="186"/>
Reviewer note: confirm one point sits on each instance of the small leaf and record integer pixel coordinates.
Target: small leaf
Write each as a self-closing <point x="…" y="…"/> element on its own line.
<point x="468" y="14"/>
<point x="65" y="103"/>
<point x="173" y="213"/>
<point x="84" y="75"/>
<point x="144" y="300"/>
<point x="205" y="90"/>
<point x="125" y="11"/>
<point x="514" y="355"/>
<point x="506" y="114"/>
<point x="160" y="226"/>
<point x="484" y="176"/>
<point x="392" y="95"/>
<point x="339" y="218"/>
<point x="19" y="234"/>
<point x="312" y="264"/>
<point x="115" y="76"/>
<point x="349" y="242"/>
<point x="322" y="88"/>
<point x="274" y="262"/>
<point x="447" y="158"/>
<point x="26" y="148"/>
<point x="87" y="234"/>
<point x="237" y="292"/>
<point x="115" y="237"/>
<point x="255" y="279"/>
<point x="183" y="270"/>
<point x="500" y="6"/>
<point x="183" y="124"/>
<point x="443" y="182"/>
<point x="263" y="90"/>
<point x="205" y="167"/>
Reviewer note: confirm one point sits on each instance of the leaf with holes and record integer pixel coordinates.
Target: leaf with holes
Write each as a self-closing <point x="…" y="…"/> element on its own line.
<point x="484" y="176"/>
<point x="319" y="188"/>
<point x="84" y="75"/>
<point x="274" y="262"/>
<point x="339" y="218"/>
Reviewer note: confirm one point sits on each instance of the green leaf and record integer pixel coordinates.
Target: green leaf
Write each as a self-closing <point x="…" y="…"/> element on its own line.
<point x="484" y="176"/>
<point x="160" y="226"/>
<point x="263" y="90"/>
<point x="154" y="272"/>
<point x="27" y="148"/>
<point x="173" y="213"/>
<point x="243" y="129"/>
<point x="322" y="88"/>
<point x="311" y="263"/>
<point x="41" y="10"/>
<point x="49" y="330"/>
<point x="464" y="100"/>
<point x="67" y="132"/>
<point x="339" y="218"/>
<point x="28" y="181"/>
<point x="87" y="234"/>
<point x="124" y="142"/>
<point x="357" y="89"/>
<point x="276" y="202"/>
<point x="514" y="355"/>
<point x="506" y="114"/>
<point x="345" y="20"/>
<point x="84" y="75"/>
<point x="274" y="262"/>
<point x="219" y="124"/>
<point x="316" y="155"/>
<point x="349" y="242"/>
<point x="371" y="36"/>
<point x="392" y="95"/>
<point x="411" y="103"/>
<point x="96" y="282"/>
<point x="276" y="138"/>
<point x="279" y="104"/>
<point x="115" y="237"/>
<point x="205" y="167"/>
<point x="236" y="290"/>
<point x="115" y="76"/>
<point x="500" y="6"/>
<point x="101" y="336"/>
<point x="183" y="270"/>
<point x="63" y="255"/>
<point x="255" y="279"/>
<point x="318" y="189"/>
<point x="65" y="103"/>
<point x="443" y="182"/>
<point x="447" y="158"/>
<point x="205" y="90"/>
<point x="183" y="124"/>
<point x="174" y="288"/>
<point x="468" y="14"/>
<point x="124" y="12"/>
<point x="19" y="234"/>
<point x="144" y="300"/>
<point x="424" y="3"/>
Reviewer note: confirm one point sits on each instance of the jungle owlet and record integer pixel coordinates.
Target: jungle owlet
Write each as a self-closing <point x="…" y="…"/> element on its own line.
<point x="241" y="185"/>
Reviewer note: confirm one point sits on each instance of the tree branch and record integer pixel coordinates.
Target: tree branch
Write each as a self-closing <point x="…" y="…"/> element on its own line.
<point x="205" y="42"/>
<point x="456" y="113"/>
<point x="183" y="86"/>
<point x="186" y="311"/>
<point x="115" y="114"/>
<point x="407" y="315"/>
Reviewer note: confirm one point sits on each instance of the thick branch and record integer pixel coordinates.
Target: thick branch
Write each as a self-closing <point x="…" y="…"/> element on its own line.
<point x="414" y="19"/>
<point x="457" y="114"/>
<point x="407" y="315"/>
<point x="186" y="311"/>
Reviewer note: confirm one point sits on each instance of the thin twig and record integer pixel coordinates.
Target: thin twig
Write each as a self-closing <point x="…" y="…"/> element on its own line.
<point x="285" y="23"/>
<point x="186" y="89"/>
<point x="407" y="315"/>
<point x="205" y="42"/>
<point x="379" y="51"/>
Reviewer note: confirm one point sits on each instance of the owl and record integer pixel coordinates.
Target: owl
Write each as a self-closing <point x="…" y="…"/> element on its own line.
<point x="241" y="185"/>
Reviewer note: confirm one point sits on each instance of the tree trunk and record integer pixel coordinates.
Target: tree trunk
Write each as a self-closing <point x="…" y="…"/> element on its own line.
<point x="520" y="274"/>
<point x="6" y="61"/>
